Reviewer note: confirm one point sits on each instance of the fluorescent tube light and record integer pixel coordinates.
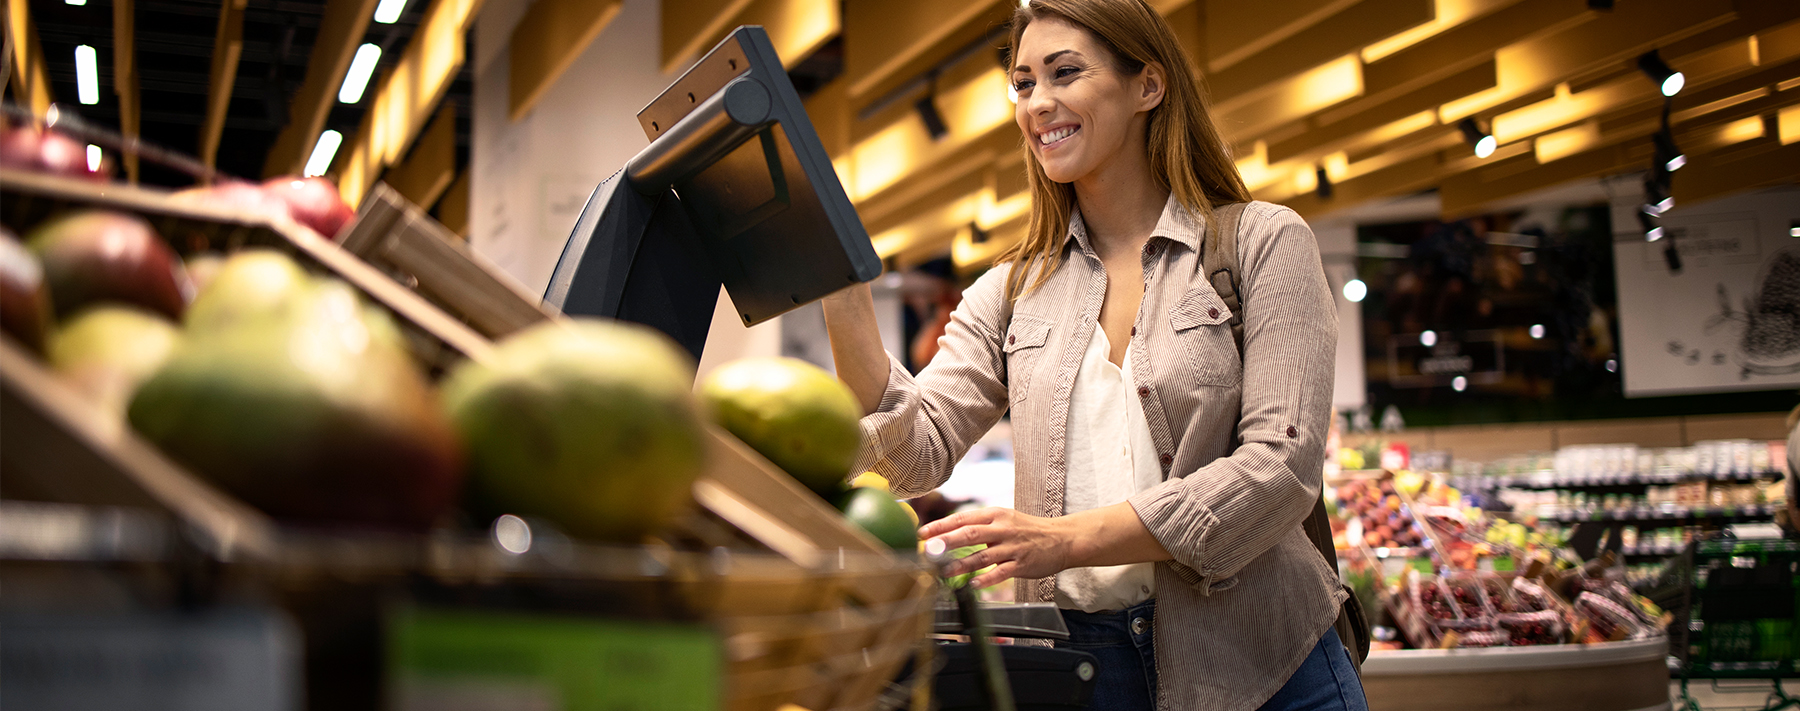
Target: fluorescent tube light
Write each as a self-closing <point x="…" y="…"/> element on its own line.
<point x="389" y="11"/>
<point x="362" y="67"/>
<point x="87" y="74"/>
<point x="323" y="151"/>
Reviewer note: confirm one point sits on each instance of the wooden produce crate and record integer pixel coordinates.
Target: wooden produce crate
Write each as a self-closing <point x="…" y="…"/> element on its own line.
<point x="436" y="338"/>
<point x="395" y="235"/>
<point x="808" y="609"/>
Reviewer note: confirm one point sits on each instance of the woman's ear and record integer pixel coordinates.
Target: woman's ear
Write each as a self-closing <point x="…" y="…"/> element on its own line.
<point x="1153" y="85"/>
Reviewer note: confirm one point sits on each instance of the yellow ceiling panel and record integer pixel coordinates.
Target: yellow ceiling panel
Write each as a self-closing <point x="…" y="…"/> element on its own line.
<point x="1567" y="142"/>
<point x="1345" y="32"/>
<point x="1236" y="30"/>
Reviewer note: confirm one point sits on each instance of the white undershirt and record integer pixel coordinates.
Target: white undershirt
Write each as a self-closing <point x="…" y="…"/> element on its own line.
<point x="1111" y="457"/>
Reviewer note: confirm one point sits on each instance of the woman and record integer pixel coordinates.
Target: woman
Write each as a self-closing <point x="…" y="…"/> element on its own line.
<point x="1161" y="478"/>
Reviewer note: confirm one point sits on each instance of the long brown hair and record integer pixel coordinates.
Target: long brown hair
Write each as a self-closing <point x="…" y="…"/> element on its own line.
<point x="1187" y="156"/>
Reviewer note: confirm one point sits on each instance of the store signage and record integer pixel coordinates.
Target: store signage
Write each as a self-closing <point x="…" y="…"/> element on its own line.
<point x="1725" y="321"/>
<point x="1476" y="356"/>
<point x="473" y="660"/>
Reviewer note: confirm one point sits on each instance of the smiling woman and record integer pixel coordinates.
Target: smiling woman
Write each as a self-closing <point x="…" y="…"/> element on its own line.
<point x="1165" y="348"/>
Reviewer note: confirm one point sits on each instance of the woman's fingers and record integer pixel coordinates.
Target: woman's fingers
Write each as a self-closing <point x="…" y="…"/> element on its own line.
<point x="980" y="559"/>
<point x="957" y="520"/>
<point x="1001" y="573"/>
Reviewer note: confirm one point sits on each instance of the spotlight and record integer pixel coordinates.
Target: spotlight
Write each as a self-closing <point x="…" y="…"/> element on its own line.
<point x="1355" y="290"/>
<point x="1669" y="80"/>
<point x="1483" y="141"/>
<point x="1537" y="331"/>
<point x="1459" y="383"/>
<point x="1428" y="339"/>
<point x="1653" y="230"/>
<point x="1794" y="228"/>
<point x="1324" y="185"/>
<point x="1668" y="156"/>
<point x="1656" y="197"/>
<point x="934" y="121"/>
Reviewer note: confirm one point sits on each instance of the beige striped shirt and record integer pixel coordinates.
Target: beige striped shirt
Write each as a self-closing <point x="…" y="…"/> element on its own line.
<point x="1240" y="441"/>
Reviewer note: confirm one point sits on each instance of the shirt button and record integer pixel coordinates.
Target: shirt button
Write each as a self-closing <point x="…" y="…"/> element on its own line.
<point x="1011" y="340"/>
<point x="1213" y="313"/>
<point x="1133" y="330"/>
<point x="1144" y="391"/>
<point x="1137" y="625"/>
<point x="1292" y="433"/>
<point x="1166" y="459"/>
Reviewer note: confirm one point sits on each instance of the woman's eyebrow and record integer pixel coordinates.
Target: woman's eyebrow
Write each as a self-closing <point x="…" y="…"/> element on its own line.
<point x="1048" y="58"/>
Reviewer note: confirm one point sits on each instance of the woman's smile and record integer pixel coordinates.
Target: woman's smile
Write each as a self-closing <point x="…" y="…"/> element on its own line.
<point x="1056" y="136"/>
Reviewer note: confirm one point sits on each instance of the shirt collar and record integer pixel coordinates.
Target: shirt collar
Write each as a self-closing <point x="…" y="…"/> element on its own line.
<point x="1176" y="224"/>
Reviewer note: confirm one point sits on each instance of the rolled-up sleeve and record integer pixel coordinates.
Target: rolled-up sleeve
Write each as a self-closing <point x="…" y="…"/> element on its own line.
<point x="1218" y="519"/>
<point x="926" y="423"/>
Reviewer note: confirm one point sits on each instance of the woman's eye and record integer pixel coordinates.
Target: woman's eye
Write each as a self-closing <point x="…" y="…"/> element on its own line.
<point x="1022" y="85"/>
<point x="1066" y="71"/>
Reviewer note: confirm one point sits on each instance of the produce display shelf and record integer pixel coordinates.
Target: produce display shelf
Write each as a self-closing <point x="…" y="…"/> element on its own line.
<point x="1552" y="480"/>
<point x="435" y="337"/>
<point x="1630" y="675"/>
<point x="809" y="609"/>
<point x="1663" y="513"/>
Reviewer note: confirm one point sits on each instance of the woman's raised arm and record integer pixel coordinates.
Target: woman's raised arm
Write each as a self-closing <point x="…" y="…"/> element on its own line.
<point x="856" y="344"/>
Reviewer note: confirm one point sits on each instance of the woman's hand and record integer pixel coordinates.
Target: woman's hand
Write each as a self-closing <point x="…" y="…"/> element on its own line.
<point x="1023" y="546"/>
<point x="1018" y="545"/>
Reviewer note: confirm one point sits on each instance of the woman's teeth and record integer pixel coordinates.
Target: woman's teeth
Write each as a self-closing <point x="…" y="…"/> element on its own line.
<point x="1057" y="135"/>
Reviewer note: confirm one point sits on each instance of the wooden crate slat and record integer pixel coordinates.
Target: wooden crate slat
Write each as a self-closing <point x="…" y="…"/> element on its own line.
<point x="392" y="232"/>
<point x="82" y="452"/>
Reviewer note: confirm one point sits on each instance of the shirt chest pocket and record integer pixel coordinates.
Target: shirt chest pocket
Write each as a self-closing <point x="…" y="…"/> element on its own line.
<point x="1202" y="325"/>
<point x="1024" y="348"/>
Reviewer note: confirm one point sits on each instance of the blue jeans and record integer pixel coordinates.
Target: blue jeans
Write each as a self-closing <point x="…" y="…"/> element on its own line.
<point x="1123" y="642"/>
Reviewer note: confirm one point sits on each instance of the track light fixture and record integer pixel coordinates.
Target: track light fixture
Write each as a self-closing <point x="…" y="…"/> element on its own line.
<point x="1324" y="184"/>
<point x="1668" y="157"/>
<point x="934" y="121"/>
<point x="1656" y="196"/>
<point x="1483" y="141"/>
<point x="1601" y="5"/>
<point x="1653" y="230"/>
<point x="1668" y="80"/>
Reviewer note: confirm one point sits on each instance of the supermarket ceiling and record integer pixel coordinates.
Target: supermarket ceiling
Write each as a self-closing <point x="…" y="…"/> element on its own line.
<point x="1327" y="104"/>
<point x="1366" y="95"/>
<point x="178" y="73"/>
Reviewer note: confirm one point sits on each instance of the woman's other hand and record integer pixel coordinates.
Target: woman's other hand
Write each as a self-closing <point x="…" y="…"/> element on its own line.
<point x="1024" y="546"/>
<point x="1018" y="545"/>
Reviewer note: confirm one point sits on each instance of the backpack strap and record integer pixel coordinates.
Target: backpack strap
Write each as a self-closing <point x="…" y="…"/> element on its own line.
<point x="1219" y="261"/>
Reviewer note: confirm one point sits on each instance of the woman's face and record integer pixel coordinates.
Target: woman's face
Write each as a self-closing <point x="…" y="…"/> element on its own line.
<point x="1076" y="109"/>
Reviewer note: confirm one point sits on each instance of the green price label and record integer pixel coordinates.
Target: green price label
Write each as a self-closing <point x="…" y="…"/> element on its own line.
<point x="463" y="659"/>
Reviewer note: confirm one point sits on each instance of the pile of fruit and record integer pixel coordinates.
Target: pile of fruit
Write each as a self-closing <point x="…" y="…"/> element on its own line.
<point x="1376" y="505"/>
<point x="290" y="391"/>
<point x="805" y="421"/>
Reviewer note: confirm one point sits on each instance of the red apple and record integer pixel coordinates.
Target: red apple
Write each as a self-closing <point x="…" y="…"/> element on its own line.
<point x="37" y="150"/>
<point x="314" y="202"/>
<point x="97" y="255"/>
